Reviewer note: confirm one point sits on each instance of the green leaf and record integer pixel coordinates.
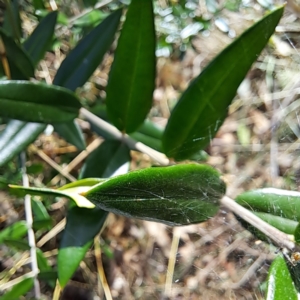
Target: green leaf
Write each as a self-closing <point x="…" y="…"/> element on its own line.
<point x="81" y="182"/>
<point x="176" y="195"/>
<point x="37" y="102"/>
<point x="39" y="210"/>
<point x="18" y="290"/>
<point x="80" y="64"/>
<point x="16" y="243"/>
<point x="72" y="193"/>
<point x="286" y="225"/>
<point x="72" y="133"/>
<point x="77" y="238"/>
<point x="41" y="38"/>
<point x="42" y="224"/>
<point x="16" y="136"/>
<point x="203" y="107"/>
<point x="20" y="65"/>
<point x="45" y="269"/>
<point x="109" y="159"/>
<point x="90" y="19"/>
<point x="12" y="21"/>
<point x="15" y="231"/>
<point x="283" y="203"/>
<point x="129" y="95"/>
<point x="280" y="284"/>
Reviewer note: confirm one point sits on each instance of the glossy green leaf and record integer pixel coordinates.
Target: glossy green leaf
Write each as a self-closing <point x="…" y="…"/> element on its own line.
<point x="82" y="226"/>
<point x="41" y="38"/>
<point x="90" y="19"/>
<point x="18" y="290"/>
<point x="176" y="195"/>
<point x="280" y="284"/>
<point x="202" y="108"/>
<point x="111" y="158"/>
<point x="283" y="203"/>
<point x="286" y="225"/>
<point x="72" y="133"/>
<point x="130" y="94"/>
<point x="82" y="61"/>
<point x="12" y="21"/>
<point x="37" y="102"/>
<point x="15" y="231"/>
<point x="16" y="136"/>
<point x="21" y="66"/>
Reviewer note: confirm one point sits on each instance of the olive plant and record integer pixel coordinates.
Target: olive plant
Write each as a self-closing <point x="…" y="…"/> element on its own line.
<point x="173" y="194"/>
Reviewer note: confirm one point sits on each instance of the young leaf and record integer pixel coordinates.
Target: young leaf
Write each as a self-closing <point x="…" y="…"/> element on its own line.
<point x="283" y="203"/>
<point x="18" y="290"/>
<point x="37" y="102"/>
<point x="129" y="96"/>
<point x="176" y="195"/>
<point x="109" y="159"/>
<point x="72" y="193"/>
<point x="16" y="136"/>
<point x="40" y="40"/>
<point x="80" y="64"/>
<point x="280" y="284"/>
<point x="20" y="65"/>
<point x="203" y="107"/>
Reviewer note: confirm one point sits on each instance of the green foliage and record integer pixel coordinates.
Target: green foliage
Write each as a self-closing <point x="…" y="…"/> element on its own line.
<point x="174" y="195"/>
<point x="280" y="284"/>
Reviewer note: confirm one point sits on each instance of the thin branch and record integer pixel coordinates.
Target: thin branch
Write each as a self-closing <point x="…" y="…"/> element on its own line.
<point x="29" y="221"/>
<point x="279" y="238"/>
<point x="132" y="144"/>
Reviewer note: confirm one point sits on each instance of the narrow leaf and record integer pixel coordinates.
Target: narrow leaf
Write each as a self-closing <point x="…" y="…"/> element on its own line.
<point x="16" y="136"/>
<point x="111" y="158"/>
<point x="41" y="38"/>
<point x="202" y="108"/>
<point x="68" y="193"/>
<point x="72" y="133"/>
<point x="80" y="64"/>
<point x="18" y="290"/>
<point x="283" y="203"/>
<point x="280" y="284"/>
<point x="129" y="96"/>
<point x="12" y="21"/>
<point x="37" y="102"/>
<point x="21" y="66"/>
<point x="14" y="231"/>
<point x="176" y="195"/>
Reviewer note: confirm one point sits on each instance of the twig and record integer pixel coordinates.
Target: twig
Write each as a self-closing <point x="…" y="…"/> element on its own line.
<point x="132" y="144"/>
<point x="29" y="221"/>
<point x="279" y="238"/>
<point x="52" y="163"/>
<point x="78" y="159"/>
<point x="100" y="270"/>
<point x="172" y="261"/>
